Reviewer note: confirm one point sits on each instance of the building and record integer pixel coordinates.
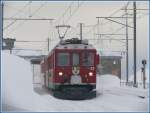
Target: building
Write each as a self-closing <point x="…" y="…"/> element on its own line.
<point x="110" y="64"/>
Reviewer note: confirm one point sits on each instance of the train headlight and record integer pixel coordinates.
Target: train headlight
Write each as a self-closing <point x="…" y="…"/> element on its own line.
<point x="90" y="74"/>
<point x="60" y="73"/>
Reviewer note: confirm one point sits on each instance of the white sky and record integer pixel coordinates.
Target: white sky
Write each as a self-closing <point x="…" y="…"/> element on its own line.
<point x="85" y="13"/>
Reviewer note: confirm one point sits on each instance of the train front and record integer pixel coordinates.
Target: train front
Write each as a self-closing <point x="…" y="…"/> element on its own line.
<point x="75" y="70"/>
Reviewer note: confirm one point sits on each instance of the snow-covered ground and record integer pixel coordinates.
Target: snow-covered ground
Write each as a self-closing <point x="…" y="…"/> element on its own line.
<point x="18" y="93"/>
<point x="17" y="89"/>
<point x="110" y="97"/>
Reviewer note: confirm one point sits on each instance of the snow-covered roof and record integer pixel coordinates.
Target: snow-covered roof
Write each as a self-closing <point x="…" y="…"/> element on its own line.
<point x="27" y="53"/>
<point x="110" y="53"/>
<point x="74" y="43"/>
<point x="74" y="46"/>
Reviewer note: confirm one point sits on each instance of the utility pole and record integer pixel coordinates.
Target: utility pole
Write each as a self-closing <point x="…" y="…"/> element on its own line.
<point x="98" y="28"/>
<point x="81" y="25"/>
<point x="33" y="73"/>
<point x="2" y="13"/>
<point x="127" y="57"/>
<point x="144" y="76"/>
<point x="134" y="35"/>
<point x="48" y="44"/>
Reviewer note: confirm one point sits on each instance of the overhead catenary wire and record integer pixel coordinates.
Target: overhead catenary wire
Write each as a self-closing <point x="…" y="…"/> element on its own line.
<point x="105" y="22"/>
<point x="74" y="12"/>
<point x="95" y="26"/>
<point x="61" y="17"/>
<point x="57" y="21"/>
<point x="32" y="14"/>
<point x="71" y="12"/>
<point x="109" y="22"/>
<point x="19" y="11"/>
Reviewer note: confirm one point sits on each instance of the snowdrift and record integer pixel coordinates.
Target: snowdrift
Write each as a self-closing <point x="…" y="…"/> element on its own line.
<point x="27" y="53"/>
<point x="17" y="89"/>
<point x="17" y="92"/>
<point x="107" y="81"/>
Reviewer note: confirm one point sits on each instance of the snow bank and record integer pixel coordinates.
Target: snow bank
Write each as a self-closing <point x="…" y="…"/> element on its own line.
<point x="107" y="81"/>
<point x="110" y="53"/>
<point x="17" y="89"/>
<point x="27" y="53"/>
<point x="113" y="99"/>
<point x="140" y="76"/>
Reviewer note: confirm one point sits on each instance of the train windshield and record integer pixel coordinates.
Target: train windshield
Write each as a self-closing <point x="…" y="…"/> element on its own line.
<point x="87" y="59"/>
<point x="75" y="59"/>
<point x="63" y="59"/>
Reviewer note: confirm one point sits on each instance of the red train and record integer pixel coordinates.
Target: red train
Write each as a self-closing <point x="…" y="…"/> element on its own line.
<point x="69" y="70"/>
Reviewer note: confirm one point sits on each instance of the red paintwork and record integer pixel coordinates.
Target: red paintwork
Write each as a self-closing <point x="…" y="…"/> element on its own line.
<point x="84" y="70"/>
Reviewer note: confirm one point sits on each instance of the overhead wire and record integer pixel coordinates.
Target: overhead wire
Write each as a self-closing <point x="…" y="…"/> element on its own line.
<point x="19" y="11"/>
<point x="72" y="13"/>
<point x="32" y="14"/>
<point x="108" y="21"/>
<point x="58" y="20"/>
<point x="67" y="9"/>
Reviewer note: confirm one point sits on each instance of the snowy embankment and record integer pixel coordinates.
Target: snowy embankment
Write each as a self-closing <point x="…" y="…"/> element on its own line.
<point x="107" y="81"/>
<point x="17" y="92"/>
<point x="17" y="89"/>
<point x="110" y="97"/>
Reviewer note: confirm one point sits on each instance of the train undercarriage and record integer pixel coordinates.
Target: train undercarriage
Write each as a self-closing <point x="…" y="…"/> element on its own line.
<point x="75" y="92"/>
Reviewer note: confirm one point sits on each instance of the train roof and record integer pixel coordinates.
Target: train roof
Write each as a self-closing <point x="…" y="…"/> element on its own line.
<point x="74" y="43"/>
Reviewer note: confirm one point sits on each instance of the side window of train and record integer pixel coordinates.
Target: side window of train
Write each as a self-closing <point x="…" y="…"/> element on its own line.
<point x="87" y="59"/>
<point x="63" y="59"/>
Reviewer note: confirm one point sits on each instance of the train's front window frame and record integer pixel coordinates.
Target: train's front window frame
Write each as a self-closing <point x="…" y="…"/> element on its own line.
<point x="63" y="59"/>
<point x="75" y="59"/>
<point x="87" y="59"/>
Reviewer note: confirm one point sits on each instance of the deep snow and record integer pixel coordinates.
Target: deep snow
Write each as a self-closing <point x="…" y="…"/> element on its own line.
<point x="18" y="93"/>
<point x="110" y="97"/>
<point x="17" y="89"/>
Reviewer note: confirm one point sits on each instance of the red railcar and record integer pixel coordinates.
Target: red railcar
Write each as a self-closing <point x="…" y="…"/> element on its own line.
<point x="70" y="69"/>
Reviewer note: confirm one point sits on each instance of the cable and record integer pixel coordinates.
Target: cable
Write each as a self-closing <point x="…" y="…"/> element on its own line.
<point x="64" y="12"/>
<point x="74" y="12"/>
<point x="109" y="22"/>
<point x="15" y="15"/>
<point x="37" y="10"/>
<point x="42" y="5"/>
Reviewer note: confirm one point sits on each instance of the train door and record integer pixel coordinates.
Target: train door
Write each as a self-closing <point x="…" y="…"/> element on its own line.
<point x="75" y="59"/>
<point x="75" y="78"/>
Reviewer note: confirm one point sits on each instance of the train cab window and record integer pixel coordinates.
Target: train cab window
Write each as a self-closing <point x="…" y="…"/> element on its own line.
<point x="87" y="59"/>
<point x="63" y="59"/>
<point x="75" y="59"/>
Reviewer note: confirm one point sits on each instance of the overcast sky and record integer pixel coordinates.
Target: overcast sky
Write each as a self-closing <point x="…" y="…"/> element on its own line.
<point x="85" y="12"/>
